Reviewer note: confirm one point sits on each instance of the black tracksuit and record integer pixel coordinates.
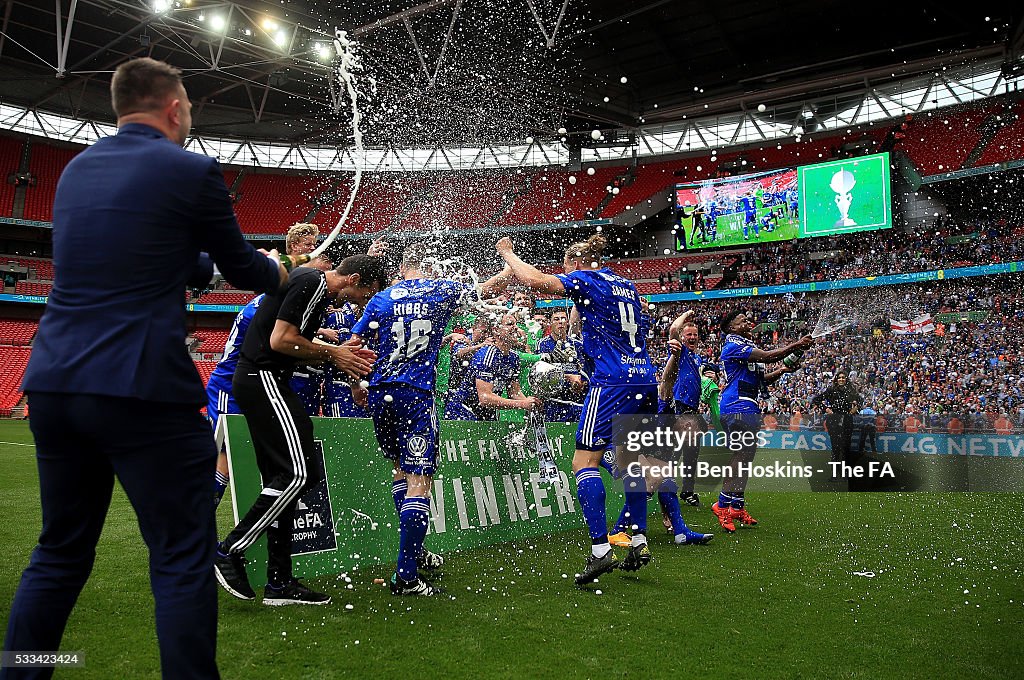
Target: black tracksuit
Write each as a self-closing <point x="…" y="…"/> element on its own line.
<point x="841" y="399"/>
<point x="282" y="432"/>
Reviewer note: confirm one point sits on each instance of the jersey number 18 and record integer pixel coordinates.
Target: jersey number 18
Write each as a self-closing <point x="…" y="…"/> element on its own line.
<point x="406" y="347"/>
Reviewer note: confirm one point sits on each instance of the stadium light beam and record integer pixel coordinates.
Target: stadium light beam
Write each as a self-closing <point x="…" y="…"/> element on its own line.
<point x="217" y="22"/>
<point x="324" y="51"/>
<point x="280" y="38"/>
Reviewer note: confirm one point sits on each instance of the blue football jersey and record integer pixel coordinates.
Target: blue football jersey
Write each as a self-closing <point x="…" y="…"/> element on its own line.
<point x="548" y="345"/>
<point x="337" y="393"/>
<point x="489" y="364"/>
<point x="225" y="369"/>
<point x="743" y="380"/>
<point x="341" y="320"/>
<point x="686" y="391"/>
<point x="614" y="327"/>
<point x="408" y="320"/>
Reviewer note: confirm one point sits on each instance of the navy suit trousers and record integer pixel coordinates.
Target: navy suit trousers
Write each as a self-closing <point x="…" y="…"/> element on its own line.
<point x="164" y="456"/>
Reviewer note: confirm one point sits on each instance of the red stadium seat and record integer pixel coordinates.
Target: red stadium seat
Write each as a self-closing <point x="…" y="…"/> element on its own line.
<point x="32" y="288"/>
<point x="211" y="339"/>
<point x="46" y="163"/>
<point x="224" y="298"/>
<point x="10" y="158"/>
<point x="17" y="331"/>
<point x="12" y="367"/>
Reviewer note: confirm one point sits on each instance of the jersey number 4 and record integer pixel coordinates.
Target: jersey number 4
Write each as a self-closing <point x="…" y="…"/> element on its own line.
<point x="409" y="345"/>
<point x="627" y="315"/>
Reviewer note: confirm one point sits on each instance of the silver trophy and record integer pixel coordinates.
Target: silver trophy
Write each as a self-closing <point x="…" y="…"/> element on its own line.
<point x="546" y="381"/>
<point x="842" y="183"/>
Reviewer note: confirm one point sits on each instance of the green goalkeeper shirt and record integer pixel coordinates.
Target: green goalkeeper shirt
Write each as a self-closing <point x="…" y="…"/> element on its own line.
<point x="709" y="395"/>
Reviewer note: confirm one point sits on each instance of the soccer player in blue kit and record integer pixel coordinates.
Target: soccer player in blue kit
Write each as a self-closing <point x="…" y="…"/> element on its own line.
<point x="566" y="409"/>
<point x="745" y="378"/>
<point x="407" y="325"/>
<point x="493" y="370"/>
<point x="623" y="382"/>
<point x="749" y="204"/>
<point x="338" y="401"/>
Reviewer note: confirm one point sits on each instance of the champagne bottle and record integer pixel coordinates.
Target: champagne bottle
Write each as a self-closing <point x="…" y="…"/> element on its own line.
<point x="792" y="360"/>
<point x="290" y="262"/>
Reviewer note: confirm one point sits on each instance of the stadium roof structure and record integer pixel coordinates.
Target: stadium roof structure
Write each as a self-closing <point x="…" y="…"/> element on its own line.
<point x="467" y="81"/>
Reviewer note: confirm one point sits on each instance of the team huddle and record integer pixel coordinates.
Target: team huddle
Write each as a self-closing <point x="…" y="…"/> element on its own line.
<point x="383" y="363"/>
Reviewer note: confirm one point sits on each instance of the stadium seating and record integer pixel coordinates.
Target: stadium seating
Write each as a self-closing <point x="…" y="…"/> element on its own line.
<point x="940" y="141"/>
<point x="205" y="368"/>
<point x="10" y="157"/>
<point x="38" y="267"/>
<point x="17" y="331"/>
<point x="554" y="198"/>
<point x="270" y="203"/>
<point x="651" y="178"/>
<point x="1008" y="143"/>
<point x="211" y="339"/>
<point x="32" y="288"/>
<point x="46" y="163"/>
<point x="224" y="298"/>
<point x="12" y="367"/>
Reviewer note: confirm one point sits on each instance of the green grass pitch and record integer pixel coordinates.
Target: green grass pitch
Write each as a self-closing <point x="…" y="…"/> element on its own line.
<point x="729" y="231"/>
<point x="778" y="600"/>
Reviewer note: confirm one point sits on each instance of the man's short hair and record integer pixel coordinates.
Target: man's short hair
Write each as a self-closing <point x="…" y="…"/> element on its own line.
<point x="415" y="253"/>
<point x="142" y="85"/>
<point x="687" y="324"/>
<point x="297" y="231"/>
<point x="729" y="318"/>
<point x="370" y="269"/>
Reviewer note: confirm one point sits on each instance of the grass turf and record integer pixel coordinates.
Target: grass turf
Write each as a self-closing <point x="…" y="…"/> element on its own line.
<point x="778" y="600"/>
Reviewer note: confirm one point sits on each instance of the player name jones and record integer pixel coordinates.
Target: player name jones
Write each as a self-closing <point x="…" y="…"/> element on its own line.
<point x="623" y="292"/>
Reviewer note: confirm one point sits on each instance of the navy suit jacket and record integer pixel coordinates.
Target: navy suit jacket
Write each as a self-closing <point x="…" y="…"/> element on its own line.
<point x="131" y="217"/>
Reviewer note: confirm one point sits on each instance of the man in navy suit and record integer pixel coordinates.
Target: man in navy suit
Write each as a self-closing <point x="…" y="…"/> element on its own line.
<point x="111" y="386"/>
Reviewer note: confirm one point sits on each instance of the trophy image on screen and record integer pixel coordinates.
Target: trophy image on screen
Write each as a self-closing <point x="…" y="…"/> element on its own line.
<point x="842" y="183"/>
<point x="546" y="382"/>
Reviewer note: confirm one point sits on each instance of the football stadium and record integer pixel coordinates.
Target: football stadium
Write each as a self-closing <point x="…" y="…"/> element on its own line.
<point x="387" y="339"/>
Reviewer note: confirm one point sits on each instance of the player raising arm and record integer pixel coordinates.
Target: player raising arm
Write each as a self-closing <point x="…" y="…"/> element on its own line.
<point x="745" y="379"/>
<point x="622" y="383"/>
<point x="405" y="325"/>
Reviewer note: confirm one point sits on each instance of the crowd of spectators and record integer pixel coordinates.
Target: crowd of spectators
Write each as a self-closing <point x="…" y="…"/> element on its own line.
<point x="970" y="370"/>
<point x="945" y="243"/>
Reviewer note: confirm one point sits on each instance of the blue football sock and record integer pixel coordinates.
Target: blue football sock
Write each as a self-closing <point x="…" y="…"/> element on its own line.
<point x="621" y="524"/>
<point x="636" y="502"/>
<point x="591" y="494"/>
<point x="412" y="531"/>
<point x="724" y="500"/>
<point x="670" y="503"/>
<point x="737" y="500"/>
<point x="398" y="489"/>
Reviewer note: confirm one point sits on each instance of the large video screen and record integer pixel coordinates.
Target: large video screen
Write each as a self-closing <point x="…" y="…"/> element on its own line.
<point x="737" y="211"/>
<point x="843" y="196"/>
